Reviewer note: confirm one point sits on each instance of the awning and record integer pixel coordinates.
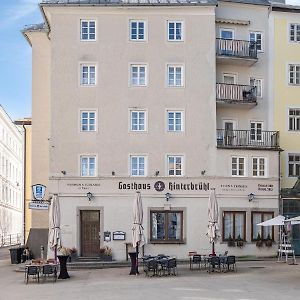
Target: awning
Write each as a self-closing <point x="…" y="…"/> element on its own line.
<point x="232" y="21"/>
<point x="277" y="221"/>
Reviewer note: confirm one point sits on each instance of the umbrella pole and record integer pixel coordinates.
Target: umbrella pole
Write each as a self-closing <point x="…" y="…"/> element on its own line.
<point x="137" y="259"/>
<point x="55" y="254"/>
<point x="213" y="249"/>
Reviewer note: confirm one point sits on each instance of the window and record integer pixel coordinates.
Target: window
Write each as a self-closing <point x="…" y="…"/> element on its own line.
<point x="294" y="32"/>
<point x="294" y="164"/>
<point x="175" y="75"/>
<point x="88" y="121"/>
<point x="166" y="226"/>
<point x="138" y="121"/>
<point x="237" y="166"/>
<point x="256" y="131"/>
<point x="137" y="30"/>
<point x="175" y="121"/>
<point x="258" y="38"/>
<point x="88" y="166"/>
<point x="258" y="166"/>
<point x="175" y="165"/>
<point x="88" y="75"/>
<point x="264" y="232"/>
<point x="294" y="119"/>
<point x="175" y="31"/>
<point x="259" y="87"/>
<point x="137" y="165"/>
<point x="88" y="30"/>
<point x="138" y="75"/>
<point x="226" y="34"/>
<point x="234" y="225"/>
<point x="294" y="74"/>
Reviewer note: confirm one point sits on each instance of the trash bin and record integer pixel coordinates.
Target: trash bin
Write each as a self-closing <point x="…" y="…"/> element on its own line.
<point x="16" y="255"/>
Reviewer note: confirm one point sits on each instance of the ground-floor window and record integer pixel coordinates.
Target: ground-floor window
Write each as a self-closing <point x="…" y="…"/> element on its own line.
<point x="234" y="225"/>
<point x="264" y="232"/>
<point x="166" y="226"/>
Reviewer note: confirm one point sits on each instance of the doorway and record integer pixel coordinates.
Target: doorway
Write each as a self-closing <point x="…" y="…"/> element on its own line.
<point x="90" y="232"/>
<point x="229" y="132"/>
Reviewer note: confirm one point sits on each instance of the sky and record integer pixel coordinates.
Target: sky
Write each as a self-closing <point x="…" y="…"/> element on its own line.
<point x="15" y="60"/>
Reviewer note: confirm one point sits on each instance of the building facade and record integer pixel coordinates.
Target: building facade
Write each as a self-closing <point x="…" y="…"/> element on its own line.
<point x="158" y="105"/>
<point x="285" y="72"/>
<point x="11" y="181"/>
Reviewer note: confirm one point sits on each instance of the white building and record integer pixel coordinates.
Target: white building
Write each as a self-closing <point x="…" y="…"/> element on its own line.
<point x="11" y="180"/>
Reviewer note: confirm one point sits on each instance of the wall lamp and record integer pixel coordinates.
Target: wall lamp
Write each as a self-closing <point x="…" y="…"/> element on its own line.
<point x="168" y="196"/>
<point x="156" y="173"/>
<point x="251" y="197"/>
<point x="89" y="195"/>
<point x="63" y="172"/>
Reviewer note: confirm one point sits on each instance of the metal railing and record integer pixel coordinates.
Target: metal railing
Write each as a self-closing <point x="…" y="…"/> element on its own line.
<point x="236" y="48"/>
<point x="236" y="93"/>
<point x="247" y="139"/>
<point x="11" y="239"/>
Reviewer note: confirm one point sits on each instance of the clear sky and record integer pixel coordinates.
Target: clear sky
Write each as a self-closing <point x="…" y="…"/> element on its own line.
<point x="15" y="60"/>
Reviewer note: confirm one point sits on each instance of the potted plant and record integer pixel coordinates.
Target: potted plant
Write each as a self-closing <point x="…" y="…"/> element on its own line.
<point x="230" y="241"/>
<point x="240" y="242"/>
<point x="259" y="242"/>
<point x="269" y="241"/>
<point x="105" y="253"/>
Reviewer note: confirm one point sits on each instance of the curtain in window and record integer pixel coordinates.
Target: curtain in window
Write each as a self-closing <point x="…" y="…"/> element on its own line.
<point x="228" y="225"/>
<point x="239" y="225"/>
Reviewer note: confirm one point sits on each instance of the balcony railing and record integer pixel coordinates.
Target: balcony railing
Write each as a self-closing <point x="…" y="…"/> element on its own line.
<point x="236" y="93"/>
<point x="236" y="48"/>
<point x="247" y="139"/>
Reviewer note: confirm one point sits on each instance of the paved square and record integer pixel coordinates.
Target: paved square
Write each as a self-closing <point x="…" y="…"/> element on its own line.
<point x="253" y="281"/>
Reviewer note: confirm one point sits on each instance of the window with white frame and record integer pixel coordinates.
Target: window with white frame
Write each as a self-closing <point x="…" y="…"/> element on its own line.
<point x="88" y="30"/>
<point x="257" y="37"/>
<point x="294" y="32"/>
<point x="258" y="83"/>
<point x="137" y="30"/>
<point x="88" y="75"/>
<point x="175" y="75"/>
<point x="88" y="121"/>
<point x="258" y="166"/>
<point x="175" y="120"/>
<point x="137" y="165"/>
<point x="294" y="74"/>
<point x="137" y="120"/>
<point x="238" y="166"/>
<point x="138" y="75"/>
<point x="88" y="165"/>
<point x="256" y="131"/>
<point x="175" y="165"/>
<point x="175" y="31"/>
<point x="294" y="164"/>
<point x="294" y="119"/>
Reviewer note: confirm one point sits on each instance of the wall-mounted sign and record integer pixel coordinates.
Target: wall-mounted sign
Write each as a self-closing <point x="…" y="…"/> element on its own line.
<point x="40" y="205"/>
<point x="38" y="191"/>
<point x="107" y="236"/>
<point x="119" y="235"/>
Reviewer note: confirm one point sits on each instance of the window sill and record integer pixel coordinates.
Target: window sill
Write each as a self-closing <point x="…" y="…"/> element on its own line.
<point x="167" y="242"/>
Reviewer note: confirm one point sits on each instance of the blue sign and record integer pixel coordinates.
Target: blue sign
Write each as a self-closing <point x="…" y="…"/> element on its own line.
<point x="38" y="191"/>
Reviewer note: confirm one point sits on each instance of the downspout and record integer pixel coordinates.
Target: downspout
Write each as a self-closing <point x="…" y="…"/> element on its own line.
<point x="24" y="188"/>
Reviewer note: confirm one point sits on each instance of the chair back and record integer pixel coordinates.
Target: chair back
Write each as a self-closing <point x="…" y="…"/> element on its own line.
<point x="172" y="263"/>
<point x="48" y="270"/>
<point x="32" y="270"/>
<point x="214" y="260"/>
<point x="230" y="259"/>
<point x="196" y="258"/>
<point x="151" y="264"/>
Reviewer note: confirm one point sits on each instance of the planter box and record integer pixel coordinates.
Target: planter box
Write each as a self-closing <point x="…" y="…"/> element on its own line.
<point x="105" y="257"/>
<point x="240" y="244"/>
<point x="231" y="243"/>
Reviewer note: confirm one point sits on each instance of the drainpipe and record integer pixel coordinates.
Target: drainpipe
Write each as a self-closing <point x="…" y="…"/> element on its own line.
<point x="24" y="187"/>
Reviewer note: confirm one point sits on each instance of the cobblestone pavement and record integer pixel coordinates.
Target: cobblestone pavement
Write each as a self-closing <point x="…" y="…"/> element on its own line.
<point x="263" y="280"/>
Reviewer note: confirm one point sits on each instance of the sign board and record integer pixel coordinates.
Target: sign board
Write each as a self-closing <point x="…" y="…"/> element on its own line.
<point x="38" y="191"/>
<point x="119" y="236"/>
<point x="40" y="205"/>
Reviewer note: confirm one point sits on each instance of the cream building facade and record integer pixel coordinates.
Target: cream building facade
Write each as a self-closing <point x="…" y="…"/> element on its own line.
<point x="11" y="181"/>
<point x="159" y="105"/>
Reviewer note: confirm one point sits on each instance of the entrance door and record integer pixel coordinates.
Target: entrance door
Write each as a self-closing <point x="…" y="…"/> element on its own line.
<point x="90" y="229"/>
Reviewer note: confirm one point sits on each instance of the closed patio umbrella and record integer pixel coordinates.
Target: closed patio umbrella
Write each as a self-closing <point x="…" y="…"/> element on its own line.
<point x="54" y="226"/>
<point x="138" y="239"/>
<point x="213" y="219"/>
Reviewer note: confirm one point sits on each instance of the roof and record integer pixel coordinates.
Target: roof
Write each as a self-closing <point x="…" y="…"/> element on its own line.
<point x="285" y="8"/>
<point x="35" y="27"/>
<point x="253" y="2"/>
<point x="128" y="2"/>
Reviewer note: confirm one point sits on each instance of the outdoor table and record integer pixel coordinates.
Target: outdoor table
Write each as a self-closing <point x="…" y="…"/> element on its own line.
<point x="40" y="266"/>
<point x="134" y="267"/>
<point x="63" y="274"/>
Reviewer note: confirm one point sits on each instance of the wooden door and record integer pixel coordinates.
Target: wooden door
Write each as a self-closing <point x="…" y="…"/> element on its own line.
<point x="90" y="228"/>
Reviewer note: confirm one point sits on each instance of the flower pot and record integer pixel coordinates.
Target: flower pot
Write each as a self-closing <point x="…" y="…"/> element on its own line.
<point x="104" y="257"/>
<point x="269" y="243"/>
<point x="259" y="243"/>
<point x="240" y="244"/>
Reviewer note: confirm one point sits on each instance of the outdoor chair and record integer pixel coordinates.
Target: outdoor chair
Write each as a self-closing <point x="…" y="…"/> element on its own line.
<point x="48" y="271"/>
<point x="163" y="266"/>
<point x="214" y="264"/>
<point x="172" y="267"/>
<point x="32" y="271"/>
<point x="231" y="263"/>
<point x="151" y="267"/>
<point x="196" y="260"/>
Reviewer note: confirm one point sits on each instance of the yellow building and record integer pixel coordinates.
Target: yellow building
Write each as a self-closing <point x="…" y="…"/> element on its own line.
<point x="285" y="86"/>
<point x="26" y="124"/>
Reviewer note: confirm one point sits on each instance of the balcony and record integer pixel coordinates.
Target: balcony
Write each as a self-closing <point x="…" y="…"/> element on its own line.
<point x="236" y="52"/>
<point x="250" y="139"/>
<point x="236" y="94"/>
